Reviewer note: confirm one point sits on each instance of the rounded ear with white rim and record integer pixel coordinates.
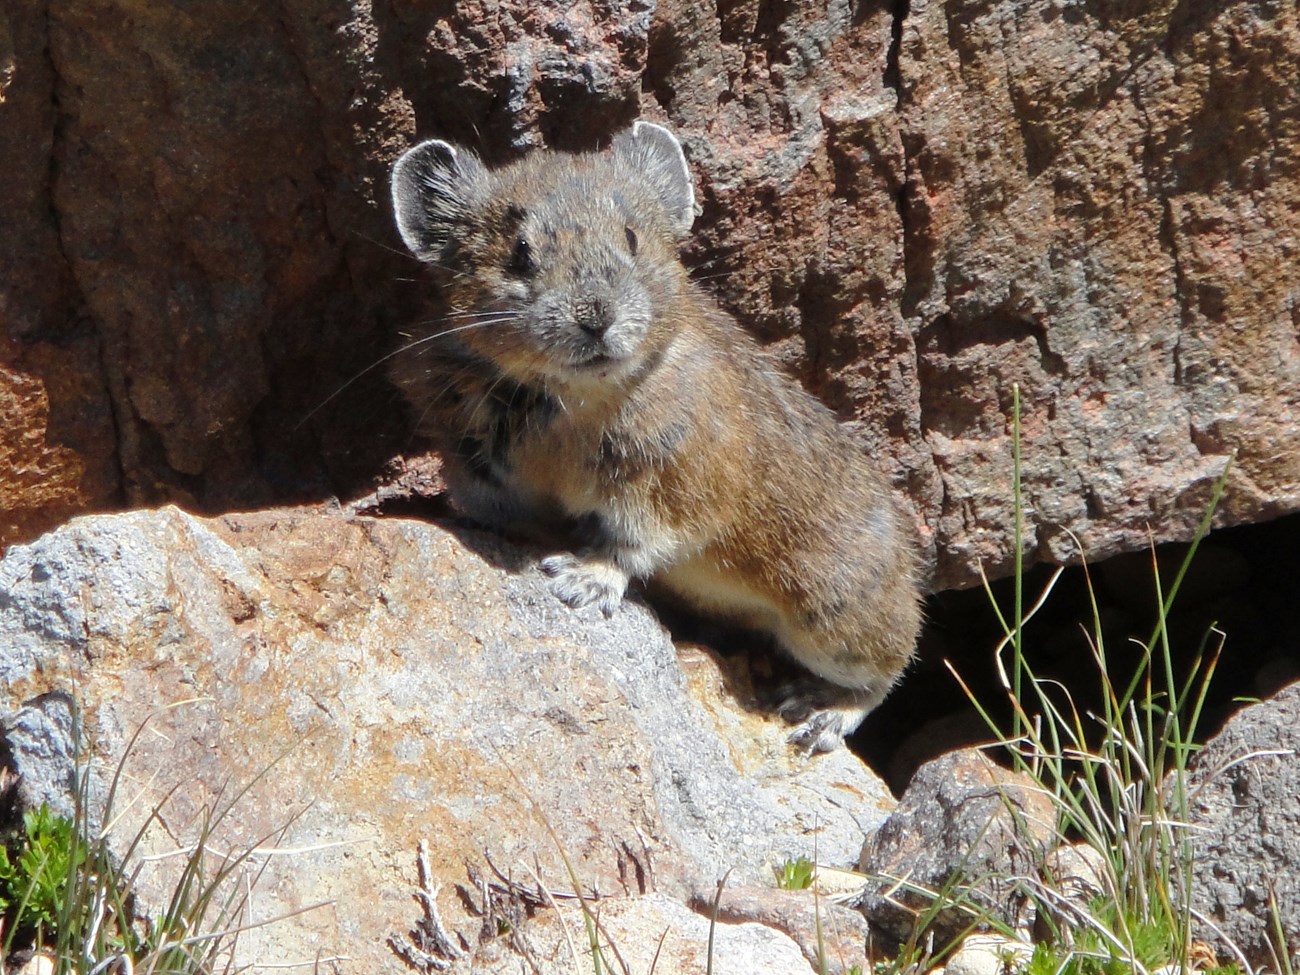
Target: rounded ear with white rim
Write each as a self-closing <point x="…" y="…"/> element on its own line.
<point x="655" y="153"/>
<point x="436" y="188"/>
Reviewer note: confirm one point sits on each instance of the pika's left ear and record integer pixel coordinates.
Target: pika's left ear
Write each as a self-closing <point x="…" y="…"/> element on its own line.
<point x="654" y="153"/>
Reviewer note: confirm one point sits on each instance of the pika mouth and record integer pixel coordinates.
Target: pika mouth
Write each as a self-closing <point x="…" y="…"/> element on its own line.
<point x="597" y="355"/>
<point x="601" y="366"/>
<point x="604" y="352"/>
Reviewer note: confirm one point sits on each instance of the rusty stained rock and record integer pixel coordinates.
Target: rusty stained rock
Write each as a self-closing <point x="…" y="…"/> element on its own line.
<point x="57" y="434"/>
<point x="914" y="207"/>
<point x="1099" y="209"/>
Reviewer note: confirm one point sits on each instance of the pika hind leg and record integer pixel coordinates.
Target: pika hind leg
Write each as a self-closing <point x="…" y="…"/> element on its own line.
<point x="826" y="714"/>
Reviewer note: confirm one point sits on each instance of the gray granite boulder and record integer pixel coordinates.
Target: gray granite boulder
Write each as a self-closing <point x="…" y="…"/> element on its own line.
<point x="376" y="683"/>
<point x="965" y="826"/>
<point x="1245" y="791"/>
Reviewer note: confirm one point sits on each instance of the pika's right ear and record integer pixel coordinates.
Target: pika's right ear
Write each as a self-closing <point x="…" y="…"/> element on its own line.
<point x="436" y="188"/>
<point x="656" y="156"/>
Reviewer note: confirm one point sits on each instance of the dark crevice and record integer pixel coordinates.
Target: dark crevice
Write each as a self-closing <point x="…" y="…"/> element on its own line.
<point x="1241" y="582"/>
<point x="1053" y="362"/>
<point x="893" y="79"/>
<point x="111" y="378"/>
<point x="916" y="261"/>
<point x="10" y="807"/>
<point x="663" y="61"/>
<point x="1170" y="242"/>
<point x="1167" y="234"/>
<point x="293" y="45"/>
<point x="893" y="74"/>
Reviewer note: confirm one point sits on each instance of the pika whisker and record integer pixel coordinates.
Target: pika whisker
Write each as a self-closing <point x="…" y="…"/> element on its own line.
<point x="482" y="321"/>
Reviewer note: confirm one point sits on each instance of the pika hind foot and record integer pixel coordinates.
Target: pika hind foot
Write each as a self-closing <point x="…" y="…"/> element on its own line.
<point x="824" y="731"/>
<point x="826" y="715"/>
<point x="586" y="582"/>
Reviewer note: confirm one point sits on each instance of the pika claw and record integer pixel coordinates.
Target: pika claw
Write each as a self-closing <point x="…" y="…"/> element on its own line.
<point x="796" y="710"/>
<point x="578" y="582"/>
<point x="800" y="701"/>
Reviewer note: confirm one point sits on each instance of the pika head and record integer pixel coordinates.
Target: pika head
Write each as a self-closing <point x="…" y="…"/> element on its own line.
<point x="558" y="268"/>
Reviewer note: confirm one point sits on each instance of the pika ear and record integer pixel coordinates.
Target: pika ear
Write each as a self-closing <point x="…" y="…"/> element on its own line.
<point x="654" y="153"/>
<point x="436" y="188"/>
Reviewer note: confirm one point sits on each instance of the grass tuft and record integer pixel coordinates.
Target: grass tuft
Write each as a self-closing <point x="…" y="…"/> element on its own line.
<point x="66" y="894"/>
<point x="1116" y="773"/>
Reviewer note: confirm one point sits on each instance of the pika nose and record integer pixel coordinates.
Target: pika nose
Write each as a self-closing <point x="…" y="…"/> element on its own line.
<point x="594" y="316"/>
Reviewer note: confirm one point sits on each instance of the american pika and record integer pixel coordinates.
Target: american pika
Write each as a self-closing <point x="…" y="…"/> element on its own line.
<point x="576" y="374"/>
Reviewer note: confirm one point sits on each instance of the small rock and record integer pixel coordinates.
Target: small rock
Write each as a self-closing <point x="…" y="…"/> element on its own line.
<point x="962" y="819"/>
<point x="38" y="964"/>
<point x="988" y="954"/>
<point x="817" y="925"/>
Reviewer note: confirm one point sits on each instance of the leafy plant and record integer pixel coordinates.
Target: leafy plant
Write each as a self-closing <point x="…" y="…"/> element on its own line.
<point x="795" y="874"/>
<point x="65" y="893"/>
<point x="34" y="880"/>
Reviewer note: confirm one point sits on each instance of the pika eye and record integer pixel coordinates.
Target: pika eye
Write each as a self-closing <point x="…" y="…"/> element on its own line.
<point x="522" y="262"/>
<point x="631" y="240"/>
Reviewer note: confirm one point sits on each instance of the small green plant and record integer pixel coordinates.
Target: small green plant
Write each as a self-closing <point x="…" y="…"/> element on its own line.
<point x="1094" y="951"/>
<point x="34" y="879"/>
<point x="55" y="886"/>
<point x="795" y="874"/>
<point x="1117" y="776"/>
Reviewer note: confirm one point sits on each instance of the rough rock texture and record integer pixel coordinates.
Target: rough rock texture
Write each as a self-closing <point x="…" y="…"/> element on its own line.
<point x="961" y="820"/>
<point x="817" y="925"/>
<point x="651" y="933"/>
<point x="40" y="751"/>
<point x="1247" y="828"/>
<point x="380" y="682"/>
<point x="1101" y="208"/>
<point x="916" y="204"/>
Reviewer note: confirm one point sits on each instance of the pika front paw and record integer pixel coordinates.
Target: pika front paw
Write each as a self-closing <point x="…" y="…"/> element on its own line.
<point x="586" y="582"/>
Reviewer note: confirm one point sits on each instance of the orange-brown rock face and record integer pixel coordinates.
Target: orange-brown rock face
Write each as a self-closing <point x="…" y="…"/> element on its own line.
<point x="1101" y="207"/>
<point x="917" y="207"/>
